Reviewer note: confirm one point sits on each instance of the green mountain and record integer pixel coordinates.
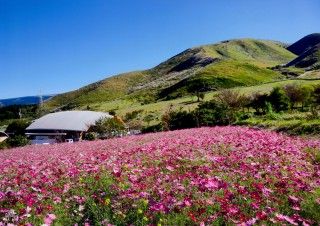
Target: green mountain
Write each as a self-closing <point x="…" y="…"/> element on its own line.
<point x="241" y="62"/>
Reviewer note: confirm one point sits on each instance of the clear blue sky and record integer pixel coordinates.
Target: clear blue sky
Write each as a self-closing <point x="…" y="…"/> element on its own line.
<point x="55" y="46"/>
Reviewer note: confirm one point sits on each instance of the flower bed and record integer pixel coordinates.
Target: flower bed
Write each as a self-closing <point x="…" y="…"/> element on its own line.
<point x="205" y="176"/>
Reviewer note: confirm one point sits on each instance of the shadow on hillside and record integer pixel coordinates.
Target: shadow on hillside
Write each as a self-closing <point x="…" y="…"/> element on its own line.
<point x="189" y="102"/>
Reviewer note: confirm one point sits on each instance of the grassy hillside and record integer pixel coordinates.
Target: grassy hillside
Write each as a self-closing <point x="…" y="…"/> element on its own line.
<point x="308" y="60"/>
<point x="259" y="52"/>
<point x="157" y="109"/>
<point x="223" y="65"/>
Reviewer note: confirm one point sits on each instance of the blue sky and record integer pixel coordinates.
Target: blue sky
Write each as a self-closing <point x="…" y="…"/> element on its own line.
<point x="54" y="46"/>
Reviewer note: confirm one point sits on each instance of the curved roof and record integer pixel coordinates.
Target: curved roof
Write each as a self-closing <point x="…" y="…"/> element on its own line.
<point x="3" y="134"/>
<point x="68" y="120"/>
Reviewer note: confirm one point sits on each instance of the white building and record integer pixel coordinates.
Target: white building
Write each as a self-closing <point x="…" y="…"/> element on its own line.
<point x="65" y="126"/>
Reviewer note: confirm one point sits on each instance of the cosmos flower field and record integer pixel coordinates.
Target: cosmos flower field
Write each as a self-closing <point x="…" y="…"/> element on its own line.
<point x="206" y="176"/>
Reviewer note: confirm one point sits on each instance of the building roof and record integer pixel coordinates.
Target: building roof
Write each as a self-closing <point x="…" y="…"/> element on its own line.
<point x="67" y="120"/>
<point x="3" y="136"/>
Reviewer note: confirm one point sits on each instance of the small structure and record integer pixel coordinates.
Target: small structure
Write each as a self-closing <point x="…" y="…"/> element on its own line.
<point x="65" y="126"/>
<point x="3" y="136"/>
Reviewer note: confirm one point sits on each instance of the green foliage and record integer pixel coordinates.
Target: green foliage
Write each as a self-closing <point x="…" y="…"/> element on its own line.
<point x="90" y="136"/>
<point x="152" y="128"/>
<point x="316" y="95"/>
<point x="197" y="87"/>
<point x="179" y="120"/>
<point x="310" y="206"/>
<point x="132" y="115"/>
<point x="295" y="94"/>
<point x="4" y="145"/>
<point x="259" y="102"/>
<point x="214" y="113"/>
<point x="108" y="127"/>
<point x="17" y="111"/>
<point x="17" y="127"/>
<point x="17" y="141"/>
<point x="278" y="99"/>
<point x="148" y="118"/>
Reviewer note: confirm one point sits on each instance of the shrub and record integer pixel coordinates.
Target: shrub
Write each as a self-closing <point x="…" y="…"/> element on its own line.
<point x="90" y="136"/>
<point x="17" y="127"/>
<point x="108" y="127"/>
<point x="17" y="141"/>
<point x="132" y="115"/>
<point x="214" y="113"/>
<point x="148" y="118"/>
<point x="293" y="91"/>
<point x="279" y="100"/>
<point x="134" y="124"/>
<point x="4" y="145"/>
<point x="316" y="95"/>
<point x="153" y="128"/>
<point x="179" y="120"/>
<point x="232" y="98"/>
<point x="258" y="102"/>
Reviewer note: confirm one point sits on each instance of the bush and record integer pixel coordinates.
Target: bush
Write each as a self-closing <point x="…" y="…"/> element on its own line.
<point x="179" y="120"/>
<point x="316" y="95"/>
<point x="293" y="91"/>
<point x="214" y="113"/>
<point x="4" y="145"/>
<point x="17" y="141"/>
<point x="108" y="127"/>
<point x="17" y="127"/>
<point x="90" y="136"/>
<point x="152" y="129"/>
<point x="258" y="103"/>
<point x="279" y="100"/>
<point x="232" y="98"/>
<point x="132" y="115"/>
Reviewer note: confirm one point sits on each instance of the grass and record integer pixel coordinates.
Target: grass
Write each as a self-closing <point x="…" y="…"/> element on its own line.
<point x="311" y="75"/>
<point x="261" y="52"/>
<point x="292" y="123"/>
<point x="242" y="73"/>
<point x="123" y="106"/>
<point x="241" y="63"/>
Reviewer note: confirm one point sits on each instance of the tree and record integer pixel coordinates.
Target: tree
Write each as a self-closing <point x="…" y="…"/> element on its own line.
<point x="17" y="127"/>
<point x="174" y="120"/>
<point x="258" y="102"/>
<point x="316" y="95"/>
<point x="197" y="87"/>
<point x="232" y="98"/>
<point x="278" y="99"/>
<point x="306" y="92"/>
<point x="214" y="113"/>
<point x="17" y="141"/>
<point x="108" y="127"/>
<point x="294" y="94"/>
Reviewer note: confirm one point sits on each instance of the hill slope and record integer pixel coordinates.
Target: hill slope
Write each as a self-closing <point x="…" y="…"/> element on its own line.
<point x="308" y="51"/>
<point x="310" y="59"/>
<point x="304" y="44"/>
<point x="226" y="64"/>
<point x="23" y="100"/>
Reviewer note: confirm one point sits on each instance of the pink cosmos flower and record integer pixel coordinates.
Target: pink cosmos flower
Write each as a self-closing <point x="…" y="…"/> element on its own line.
<point x="49" y="219"/>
